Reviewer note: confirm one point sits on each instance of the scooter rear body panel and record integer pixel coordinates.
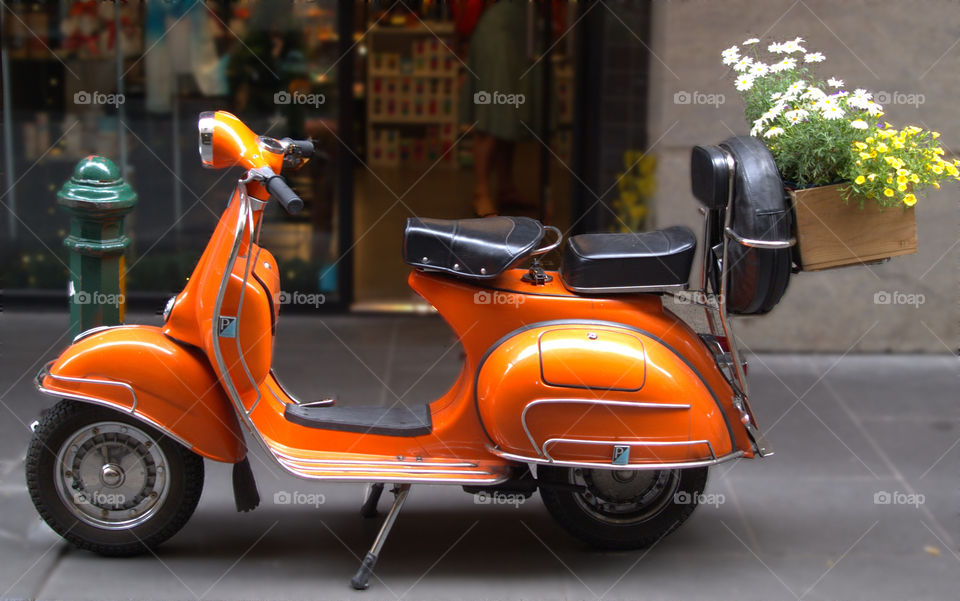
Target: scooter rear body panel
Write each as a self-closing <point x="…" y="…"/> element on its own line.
<point x="531" y="347"/>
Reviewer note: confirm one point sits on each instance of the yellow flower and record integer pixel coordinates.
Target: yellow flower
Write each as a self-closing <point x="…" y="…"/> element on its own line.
<point x="872" y="176"/>
<point x="936" y="185"/>
<point x="902" y="188"/>
<point x="889" y="179"/>
<point x="935" y="134"/>
<point x="870" y="140"/>
<point x="864" y="155"/>
<point x="909" y="200"/>
<point x="890" y="160"/>
<point x="901" y="179"/>
<point x="887" y="192"/>
<point x="937" y="169"/>
<point x="881" y="147"/>
<point x="859" y="145"/>
<point x="860" y="179"/>
<point x="902" y="172"/>
<point x="915" y="178"/>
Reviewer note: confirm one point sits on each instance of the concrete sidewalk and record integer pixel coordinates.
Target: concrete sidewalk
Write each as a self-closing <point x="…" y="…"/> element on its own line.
<point x="810" y="522"/>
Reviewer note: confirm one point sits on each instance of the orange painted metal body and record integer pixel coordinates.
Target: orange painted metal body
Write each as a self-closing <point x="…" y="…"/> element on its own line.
<point x="549" y="375"/>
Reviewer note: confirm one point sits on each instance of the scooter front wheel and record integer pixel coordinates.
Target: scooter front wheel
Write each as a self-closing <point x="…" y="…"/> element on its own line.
<point x="621" y="509"/>
<point x="109" y="483"/>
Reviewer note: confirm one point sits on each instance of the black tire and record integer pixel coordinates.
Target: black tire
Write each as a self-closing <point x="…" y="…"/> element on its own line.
<point x="656" y="508"/>
<point x="182" y="480"/>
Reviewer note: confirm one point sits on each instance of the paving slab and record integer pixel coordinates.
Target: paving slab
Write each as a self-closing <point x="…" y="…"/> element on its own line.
<point x="805" y="523"/>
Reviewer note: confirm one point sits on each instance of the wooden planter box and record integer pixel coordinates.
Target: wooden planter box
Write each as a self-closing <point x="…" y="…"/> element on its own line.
<point x="832" y="233"/>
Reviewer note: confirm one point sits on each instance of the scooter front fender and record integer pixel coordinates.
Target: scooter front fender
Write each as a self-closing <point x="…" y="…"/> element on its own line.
<point x="142" y="372"/>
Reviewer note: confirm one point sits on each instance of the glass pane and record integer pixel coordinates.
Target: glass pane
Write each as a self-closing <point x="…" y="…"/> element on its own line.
<point x="271" y="63"/>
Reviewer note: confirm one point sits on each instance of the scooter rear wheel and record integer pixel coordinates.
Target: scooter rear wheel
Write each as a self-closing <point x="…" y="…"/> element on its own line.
<point x="621" y="509"/>
<point x="109" y="483"/>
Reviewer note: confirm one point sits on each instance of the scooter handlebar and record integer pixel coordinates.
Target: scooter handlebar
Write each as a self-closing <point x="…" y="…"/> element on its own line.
<point x="305" y="148"/>
<point x="282" y="193"/>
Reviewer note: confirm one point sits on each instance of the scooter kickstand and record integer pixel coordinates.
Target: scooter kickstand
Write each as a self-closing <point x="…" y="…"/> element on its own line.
<point x="361" y="580"/>
<point x="369" y="507"/>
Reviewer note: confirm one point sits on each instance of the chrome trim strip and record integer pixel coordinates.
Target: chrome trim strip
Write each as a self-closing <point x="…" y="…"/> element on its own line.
<point x="633" y="466"/>
<point x="598" y="290"/>
<point x="769" y="244"/>
<point x="45" y="371"/>
<point x="631" y="443"/>
<point x="625" y="404"/>
<point x="289" y="457"/>
<point x="381" y="470"/>
<point x="405" y="479"/>
<point x="91" y="331"/>
<point x="205" y="127"/>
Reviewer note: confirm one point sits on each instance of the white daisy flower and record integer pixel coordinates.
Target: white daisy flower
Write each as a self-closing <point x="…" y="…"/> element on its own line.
<point x="797" y="86"/>
<point x="772" y="113"/>
<point x="792" y="46"/>
<point x="776" y="96"/>
<point x="798" y="40"/>
<point x="757" y="127"/>
<point x="834" y="82"/>
<point x="797" y="115"/>
<point x="744" y="82"/>
<point x="776" y="48"/>
<point x="832" y="112"/>
<point x="861" y="93"/>
<point x="759" y="69"/>
<point x="858" y="102"/>
<point x="813" y="57"/>
<point x="859" y="124"/>
<point x="874" y="109"/>
<point x="773" y="132"/>
<point x="730" y="55"/>
<point x="743" y="64"/>
<point x="825" y="102"/>
<point x="784" y="65"/>
<point x="814" y="94"/>
<point x="751" y="41"/>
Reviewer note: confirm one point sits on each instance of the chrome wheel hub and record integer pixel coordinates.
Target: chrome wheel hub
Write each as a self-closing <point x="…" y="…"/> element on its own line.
<point x="625" y="496"/>
<point x="112" y="475"/>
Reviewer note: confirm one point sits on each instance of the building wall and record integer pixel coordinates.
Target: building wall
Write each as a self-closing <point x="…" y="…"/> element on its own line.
<point x="896" y="47"/>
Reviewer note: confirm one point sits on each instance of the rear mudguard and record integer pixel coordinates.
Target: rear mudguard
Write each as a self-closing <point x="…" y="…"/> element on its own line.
<point x="600" y="393"/>
<point x="142" y="372"/>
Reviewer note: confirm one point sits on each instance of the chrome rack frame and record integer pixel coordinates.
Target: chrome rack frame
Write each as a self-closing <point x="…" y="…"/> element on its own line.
<point x="715" y="306"/>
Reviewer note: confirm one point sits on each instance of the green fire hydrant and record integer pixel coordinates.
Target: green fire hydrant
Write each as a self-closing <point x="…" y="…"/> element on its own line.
<point x="97" y="199"/>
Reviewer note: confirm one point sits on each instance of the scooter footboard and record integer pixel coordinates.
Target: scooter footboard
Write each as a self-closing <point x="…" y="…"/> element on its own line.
<point x="601" y="395"/>
<point x="141" y="372"/>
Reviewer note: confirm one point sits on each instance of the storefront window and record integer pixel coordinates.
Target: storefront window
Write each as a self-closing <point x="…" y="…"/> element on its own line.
<point x="274" y="64"/>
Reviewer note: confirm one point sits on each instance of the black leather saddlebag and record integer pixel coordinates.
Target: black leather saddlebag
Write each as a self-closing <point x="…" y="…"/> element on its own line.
<point x="758" y="277"/>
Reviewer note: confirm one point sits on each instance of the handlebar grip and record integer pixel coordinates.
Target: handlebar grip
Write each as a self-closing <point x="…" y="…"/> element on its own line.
<point x="288" y="199"/>
<point x="305" y="148"/>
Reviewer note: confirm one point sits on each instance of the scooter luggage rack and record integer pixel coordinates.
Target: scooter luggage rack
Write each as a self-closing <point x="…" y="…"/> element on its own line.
<point x="715" y="306"/>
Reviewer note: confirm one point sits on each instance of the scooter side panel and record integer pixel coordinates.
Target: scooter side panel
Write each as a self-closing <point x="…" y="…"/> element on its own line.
<point x="616" y="392"/>
<point x="482" y="316"/>
<point x="169" y="385"/>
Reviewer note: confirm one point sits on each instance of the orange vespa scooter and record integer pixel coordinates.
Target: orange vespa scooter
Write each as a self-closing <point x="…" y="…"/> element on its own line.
<point x="616" y="403"/>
